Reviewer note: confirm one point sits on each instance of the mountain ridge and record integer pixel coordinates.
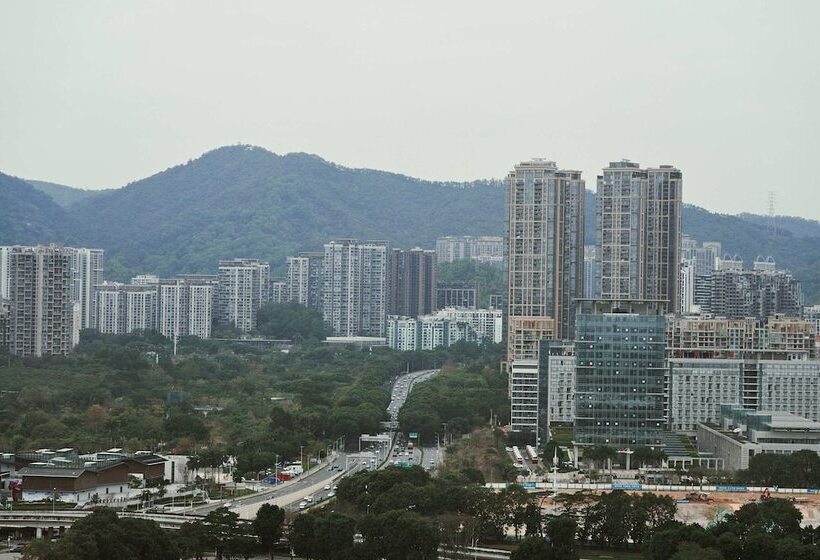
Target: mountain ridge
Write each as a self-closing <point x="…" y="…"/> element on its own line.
<point x="244" y="200"/>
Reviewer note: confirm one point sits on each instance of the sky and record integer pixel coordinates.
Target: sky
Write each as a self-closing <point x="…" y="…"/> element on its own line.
<point x="98" y="94"/>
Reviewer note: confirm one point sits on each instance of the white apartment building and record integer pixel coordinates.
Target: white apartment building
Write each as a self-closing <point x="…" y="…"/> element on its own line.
<point x="402" y="333"/>
<point x="488" y="324"/>
<point x="355" y="287"/>
<point x="243" y="289"/>
<point x="525" y="396"/>
<point x="185" y="308"/>
<point x="560" y="388"/>
<point x="87" y="273"/>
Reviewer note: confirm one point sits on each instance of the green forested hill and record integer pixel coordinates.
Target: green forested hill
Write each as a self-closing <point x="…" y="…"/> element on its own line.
<point x="246" y="201"/>
<point x="243" y="201"/>
<point x="29" y="216"/>
<point x="61" y="194"/>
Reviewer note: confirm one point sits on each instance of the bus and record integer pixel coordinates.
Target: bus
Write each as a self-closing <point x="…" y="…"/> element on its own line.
<point x="517" y="457"/>
<point x="532" y="455"/>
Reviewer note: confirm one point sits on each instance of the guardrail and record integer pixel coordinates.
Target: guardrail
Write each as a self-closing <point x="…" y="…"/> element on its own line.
<point x="638" y="486"/>
<point x="67" y="517"/>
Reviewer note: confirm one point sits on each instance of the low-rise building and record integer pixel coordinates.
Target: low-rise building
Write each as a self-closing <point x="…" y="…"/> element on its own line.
<point x="742" y="434"/>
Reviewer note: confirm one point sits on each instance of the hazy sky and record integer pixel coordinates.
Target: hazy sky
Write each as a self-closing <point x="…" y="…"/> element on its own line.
<point x="97" y="94"/>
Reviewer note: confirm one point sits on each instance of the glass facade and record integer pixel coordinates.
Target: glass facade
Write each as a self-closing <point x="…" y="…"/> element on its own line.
<point x="620" y="371"/>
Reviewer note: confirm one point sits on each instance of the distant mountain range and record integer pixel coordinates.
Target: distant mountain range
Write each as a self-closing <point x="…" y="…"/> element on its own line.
<point x="244" y="201"/>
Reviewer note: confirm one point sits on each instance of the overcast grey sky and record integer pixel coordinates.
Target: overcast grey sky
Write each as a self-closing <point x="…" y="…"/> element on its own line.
<point x="97" y="94"/>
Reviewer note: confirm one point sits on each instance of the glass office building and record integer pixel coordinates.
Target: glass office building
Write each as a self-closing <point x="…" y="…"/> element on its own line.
<point x="620" y="372"/>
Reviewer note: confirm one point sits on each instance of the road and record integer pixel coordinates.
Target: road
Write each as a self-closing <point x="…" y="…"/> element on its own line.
<point x="318" y="484"/>
<point x="399" y="453"/>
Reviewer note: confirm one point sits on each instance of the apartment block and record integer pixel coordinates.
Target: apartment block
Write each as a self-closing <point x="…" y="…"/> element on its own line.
<point x="758" y="293"/>
<point x="86" y="274"/>
<point x="41" y="308"/>
<point x="485" y="249"/>
<point x="412" y="282"/>
<point x="185" y="307"/>
<point x="243" y="289"/>
<point x="456" y="295"/>
<point x="304" y="279"/>
<point x="123" y="309"/>
<point x="557" y="386"/>
<point x="355" y="281"/>
<point x="639" y="232"/>
<point x="545" y="226"/>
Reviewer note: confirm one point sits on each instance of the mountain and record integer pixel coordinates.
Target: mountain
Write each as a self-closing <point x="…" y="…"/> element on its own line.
<point x="240" y="201"/>
<point x="30" y="216"/>
<point x="61" y="194"/>
<point x="799" y="227"/>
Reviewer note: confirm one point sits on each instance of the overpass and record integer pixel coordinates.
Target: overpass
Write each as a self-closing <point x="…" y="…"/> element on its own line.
<point x="50" y="520"/>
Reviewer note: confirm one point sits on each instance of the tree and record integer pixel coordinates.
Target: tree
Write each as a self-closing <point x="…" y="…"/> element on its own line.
<point x="291" y="321"/>
<point x="532" y="548"/>
<point x="102" y="535"/>
<point x="561" y="531"/>
<point x="224" y="533"/>
<point x="268" y="526"/>
<point x="399" y="535"/>
<point x="693" y="551"/>
<point x="774" y="517"/>
<point x="759" y="546"/>
<point x="302" y="536"/>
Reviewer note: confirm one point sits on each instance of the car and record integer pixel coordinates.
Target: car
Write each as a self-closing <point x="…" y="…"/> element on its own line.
<point x="308" y="498"/>
<point x="303" y="505"/>
<point x="335" y="487"/>
<point x="331" y="494"/>
<point x="327" y="486"/>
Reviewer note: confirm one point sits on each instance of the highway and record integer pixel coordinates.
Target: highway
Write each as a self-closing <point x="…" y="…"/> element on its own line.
<point x="399" y="453"/>
<point x="316" y="487"/>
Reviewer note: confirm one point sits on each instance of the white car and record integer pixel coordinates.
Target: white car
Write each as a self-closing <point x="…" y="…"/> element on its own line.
<point x="327" y="486"/>
<point x="309" y="498"/>
<point x="302" y="505"/>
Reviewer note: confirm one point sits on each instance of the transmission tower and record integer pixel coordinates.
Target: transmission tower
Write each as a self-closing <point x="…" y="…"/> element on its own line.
<point x="772" y="217"/>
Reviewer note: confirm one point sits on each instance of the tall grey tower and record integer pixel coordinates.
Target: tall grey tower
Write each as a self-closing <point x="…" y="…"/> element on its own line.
<point x="639" y="233"/>
<point x="42" y="311"/>
<point x="545" y="267"/>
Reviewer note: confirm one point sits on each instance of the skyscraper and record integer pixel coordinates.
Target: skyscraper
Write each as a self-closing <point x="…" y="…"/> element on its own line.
<point x="639" y="232"/>
<point x="243" y="289"/>
<point x="620" y="350"/>
<point x="412" y="282"/>
<point x="545" y="267"/>
<point x="86" y="274"/>
<point x="545" y="254"/>
<point x="41" y="313"/>
<point x="355" y="287"/>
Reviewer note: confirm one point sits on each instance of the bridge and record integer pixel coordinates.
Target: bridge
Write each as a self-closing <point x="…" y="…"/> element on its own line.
<point x="50" y="520"/>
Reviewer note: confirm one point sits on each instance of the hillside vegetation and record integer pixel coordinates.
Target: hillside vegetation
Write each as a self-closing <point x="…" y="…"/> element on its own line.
<point x="239" y="201"/>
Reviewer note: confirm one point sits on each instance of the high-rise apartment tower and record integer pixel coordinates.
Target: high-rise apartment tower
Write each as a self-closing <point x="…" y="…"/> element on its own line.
<point x="639" y="233"/>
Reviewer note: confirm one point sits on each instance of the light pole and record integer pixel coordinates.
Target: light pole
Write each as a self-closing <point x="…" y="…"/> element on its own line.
<point x="301" y="456"/>
<point x="53" y="498"/>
